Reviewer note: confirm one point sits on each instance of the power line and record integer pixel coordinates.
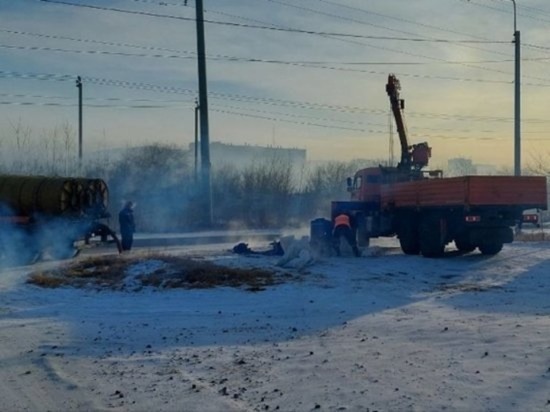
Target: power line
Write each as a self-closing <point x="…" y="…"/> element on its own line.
<point x="506" y="11"/>
<point x="399" y="19"/>
<point x="266" y="115"/>
<point x="108" y="99"/>
<point x="534" y="46"/>
<point x="355" y="20"/>
<point x="387" y="28"/>
<point x="251" y="99"/>
<point x="311" y="65"/>
<point x="95" y="52"/>
<point x="251" y="26"/>
<point x="94" y="41"/>
<point x="217" y="56"/>
<point x="101" y="106"/>
<point x="304" y="123"/>
<point x="359" y="123"/>
<point x="417" y="23"/>
<point x="143" y="86"/>
<point x="312" y="32"/>
<point x="369" y="12"/>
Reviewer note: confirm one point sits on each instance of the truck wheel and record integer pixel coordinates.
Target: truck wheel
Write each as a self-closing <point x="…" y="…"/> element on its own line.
<point x="363" y="238"/>
<point x="464" y="245"/>
<point x="431" y="244"/>
<point x="408" y="239"/>
<point x="490" y="248"/>
<point x="363" y="242"/>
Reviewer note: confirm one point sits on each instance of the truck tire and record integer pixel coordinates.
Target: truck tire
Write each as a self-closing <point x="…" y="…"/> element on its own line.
<point x="490" y="248"/>
<point x="408" y="240"/>
<point x="430" y="236"/>
<point x="363" y="238"/>
<point x="464" y="245"/>
<point x="363" y="241"/>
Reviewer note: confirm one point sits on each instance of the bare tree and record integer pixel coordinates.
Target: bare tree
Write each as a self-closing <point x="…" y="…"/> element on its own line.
<point x="540" y="164"/>
<point x="266" y="191"/>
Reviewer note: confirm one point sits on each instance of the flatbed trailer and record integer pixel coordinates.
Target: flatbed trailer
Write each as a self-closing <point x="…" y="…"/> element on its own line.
<point x="426" y="215"/>
<point x="525" y="192"/>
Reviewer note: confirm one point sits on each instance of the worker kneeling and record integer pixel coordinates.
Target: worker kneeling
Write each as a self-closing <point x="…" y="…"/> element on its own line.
<point x="343" y="227"/>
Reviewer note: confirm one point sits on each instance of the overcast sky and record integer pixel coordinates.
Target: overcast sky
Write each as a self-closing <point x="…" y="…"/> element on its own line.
<point x="317" y="82"/>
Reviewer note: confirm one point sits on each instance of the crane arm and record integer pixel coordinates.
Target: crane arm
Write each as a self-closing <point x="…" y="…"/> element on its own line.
<point x="392" y="88"/>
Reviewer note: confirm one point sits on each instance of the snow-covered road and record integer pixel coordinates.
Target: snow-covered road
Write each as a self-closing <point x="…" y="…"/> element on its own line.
<point x="385" y="332"/>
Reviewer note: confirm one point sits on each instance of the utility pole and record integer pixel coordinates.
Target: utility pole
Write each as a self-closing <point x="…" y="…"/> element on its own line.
<point x="517" y="99"/>
<point x="79" y="86"/>
<point x="203" y="104"/>
<point x="197" y="107"/>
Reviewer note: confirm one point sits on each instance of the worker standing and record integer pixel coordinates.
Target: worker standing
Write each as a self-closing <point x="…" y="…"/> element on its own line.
<point x="127" y="225"/>
<point x="343" y="227"/>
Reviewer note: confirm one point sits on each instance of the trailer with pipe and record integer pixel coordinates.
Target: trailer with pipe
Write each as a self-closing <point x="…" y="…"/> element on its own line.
<point x="50" y="215"/>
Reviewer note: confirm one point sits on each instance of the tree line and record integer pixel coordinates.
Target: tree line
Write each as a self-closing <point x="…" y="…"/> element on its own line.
<point x="161" y="180"/>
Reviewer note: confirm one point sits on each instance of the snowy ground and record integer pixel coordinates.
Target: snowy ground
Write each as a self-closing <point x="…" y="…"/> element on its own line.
<point x="384" y="332"/>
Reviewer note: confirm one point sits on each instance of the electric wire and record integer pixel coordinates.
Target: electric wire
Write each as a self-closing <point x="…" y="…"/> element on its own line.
<point x="307" y="32"/>
<point x="423" y="25"/>
<point x="258" y="100"/>
<point x="400" y="31"/>
<point x="250" y="26"/>
<point x="506" y="10"/>
<point x="102" y="106"/>
<point x="145" y="86"/>
<point x="224" y="57"/>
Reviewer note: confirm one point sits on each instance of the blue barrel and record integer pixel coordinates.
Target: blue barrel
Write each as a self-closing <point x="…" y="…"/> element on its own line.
<point x="320" y="233"/>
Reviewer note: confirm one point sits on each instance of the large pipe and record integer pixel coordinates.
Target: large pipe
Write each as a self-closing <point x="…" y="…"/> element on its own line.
<point x="55" y="196"/>
<point x="94" y="198"/>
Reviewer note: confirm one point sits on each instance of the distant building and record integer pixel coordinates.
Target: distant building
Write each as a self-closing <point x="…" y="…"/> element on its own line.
<point x="486" y="170"/>
<point x="242" y="156"/>
<point x="461" y="167"/>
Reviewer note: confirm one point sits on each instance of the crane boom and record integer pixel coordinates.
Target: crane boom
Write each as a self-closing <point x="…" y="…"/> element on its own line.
<point x="392" y="88"/>
<point x="415" y="157"/>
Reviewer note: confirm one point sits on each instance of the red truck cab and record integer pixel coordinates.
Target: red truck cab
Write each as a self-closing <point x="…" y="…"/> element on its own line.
<point x="365" y="186"/>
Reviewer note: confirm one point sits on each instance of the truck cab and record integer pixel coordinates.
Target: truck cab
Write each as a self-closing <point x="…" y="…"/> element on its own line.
<point x="365" y="185"/>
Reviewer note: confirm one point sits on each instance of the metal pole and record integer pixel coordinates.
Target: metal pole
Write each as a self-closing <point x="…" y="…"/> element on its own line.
<point x="517" y="108"/>
<point x="203" y="104"/>
<point x="515" y="20"/>
<point x="79" y="86"/>
<point x="517" y="98"/>
<point x="196" y="140"/>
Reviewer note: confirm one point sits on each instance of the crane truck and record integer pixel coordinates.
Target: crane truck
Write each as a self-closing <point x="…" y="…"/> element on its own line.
<point x="427" y="211"/>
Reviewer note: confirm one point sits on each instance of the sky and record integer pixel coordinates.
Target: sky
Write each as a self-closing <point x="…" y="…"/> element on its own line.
<point x="308" y="74"/>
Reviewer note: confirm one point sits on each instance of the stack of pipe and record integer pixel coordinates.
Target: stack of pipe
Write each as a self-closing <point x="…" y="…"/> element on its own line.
<point x="53" y="196"/>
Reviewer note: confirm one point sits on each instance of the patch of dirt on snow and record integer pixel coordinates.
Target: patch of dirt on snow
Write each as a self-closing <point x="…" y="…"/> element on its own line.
<point x="154" y="270"/>
<point x="467" y="287"/>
